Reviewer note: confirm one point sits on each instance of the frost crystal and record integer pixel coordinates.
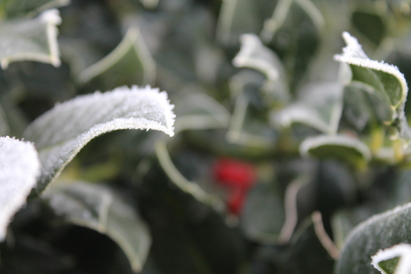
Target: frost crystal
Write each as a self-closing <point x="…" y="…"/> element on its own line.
<point x="19" y="168"/>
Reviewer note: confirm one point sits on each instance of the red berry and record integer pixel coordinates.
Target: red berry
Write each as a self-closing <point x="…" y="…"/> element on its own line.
<point x="234" y="173"/>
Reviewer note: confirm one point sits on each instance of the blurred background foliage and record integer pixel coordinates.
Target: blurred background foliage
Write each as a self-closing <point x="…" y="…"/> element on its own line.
<point x="230" y="192"/>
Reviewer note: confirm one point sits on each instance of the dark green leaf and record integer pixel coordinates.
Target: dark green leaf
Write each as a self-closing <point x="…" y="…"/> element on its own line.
<point x="263" y="215"/>
<point x="379" y="232"/>
<point x="99" y="208"/>
<point x="340" y="147"/>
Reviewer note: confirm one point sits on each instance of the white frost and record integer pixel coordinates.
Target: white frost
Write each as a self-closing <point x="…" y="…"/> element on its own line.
<point x="340" y="140"/>
<point x="401" y="250"/>
<point x="253" y="54"/>
<point x="19" y="168"/>
<point x="61" y="133"/>
<point x="353" y="54"/>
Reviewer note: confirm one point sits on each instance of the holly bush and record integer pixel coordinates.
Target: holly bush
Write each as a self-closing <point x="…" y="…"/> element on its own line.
<point x="192" y="136"/>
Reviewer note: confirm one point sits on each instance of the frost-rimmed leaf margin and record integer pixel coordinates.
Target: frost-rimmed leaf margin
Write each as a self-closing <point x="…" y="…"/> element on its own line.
<point x="354" y="55"/>
<point x="311" y="108"/>
<point x="50" y="18"/>
<point x="378" y="232"/>
<point x="401" y="251"/>
<point x="255" y="55"/>
<point x="60" y="133"/>
<point x="356" y="152"/>
<point x="100" y="208"/>
<point x="19" y="169"/>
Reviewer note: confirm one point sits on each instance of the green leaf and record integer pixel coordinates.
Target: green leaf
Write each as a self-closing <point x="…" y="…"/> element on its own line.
<point x="263" y="215"/>
<point x="340" y="147"/>
<point x="319" y="106"/>
<point x="30" y="39"/>
<point x="198" y="111"/>
<point x="242" y="16"/>
<point x="17" y="7"/>
<point x="293" y="32"/>
<point x="129" y="63"/>
<point x="19" y="168"/>
<point x="379" y="232"/>
<point x="60" y="133"/>
<point x="384" y="79"/>
<point x="393" y="260"/>
<point x="363" y="105"/>
<point x="253" y="54"/>
<point x="101" y="209"/>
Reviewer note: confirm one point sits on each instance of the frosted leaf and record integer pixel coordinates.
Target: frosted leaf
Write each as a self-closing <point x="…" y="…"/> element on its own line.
<point x="100" y="208"/>
<point x="339" y="147"/>
<point x="381" y="231"/>
<point x="319" y="106"/>
<point x="384" y="79"/>
<point x="19" y="168"/>
<point x="60" y="133"/>
<point x="30" y="39"/>
<point x="393" y="260"/>
<point x="253" y="54"/>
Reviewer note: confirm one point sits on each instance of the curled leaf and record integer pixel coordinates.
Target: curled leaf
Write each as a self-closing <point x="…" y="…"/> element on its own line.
<point x="30" y="39"/>
<point x="101" y="209"/>
<point x="60" y="133"/>
<point x="384" y="79"/>
<point x="339" y="147"/>
<point x="378" y="232"/>
<point x="253" y="54"/>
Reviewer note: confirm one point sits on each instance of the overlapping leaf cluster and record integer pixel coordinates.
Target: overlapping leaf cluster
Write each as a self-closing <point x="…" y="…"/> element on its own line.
<point x="296" y="88"/>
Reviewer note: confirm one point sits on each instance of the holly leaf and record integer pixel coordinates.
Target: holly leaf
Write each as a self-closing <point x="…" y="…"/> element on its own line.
<point x="340" y="147"/>
<point x="19" y="168"/>
<point x="379" y="232"/>
<point x="253" y="54"/>
<point x="393" y="260"/>
<point x="30" y="39"/>
<point x="385" y="80"/>
<point x="263" y="215"/>
<point x="100" y="208"/>
<point x="319" y="106"/>
<point x="60" y="133"/>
